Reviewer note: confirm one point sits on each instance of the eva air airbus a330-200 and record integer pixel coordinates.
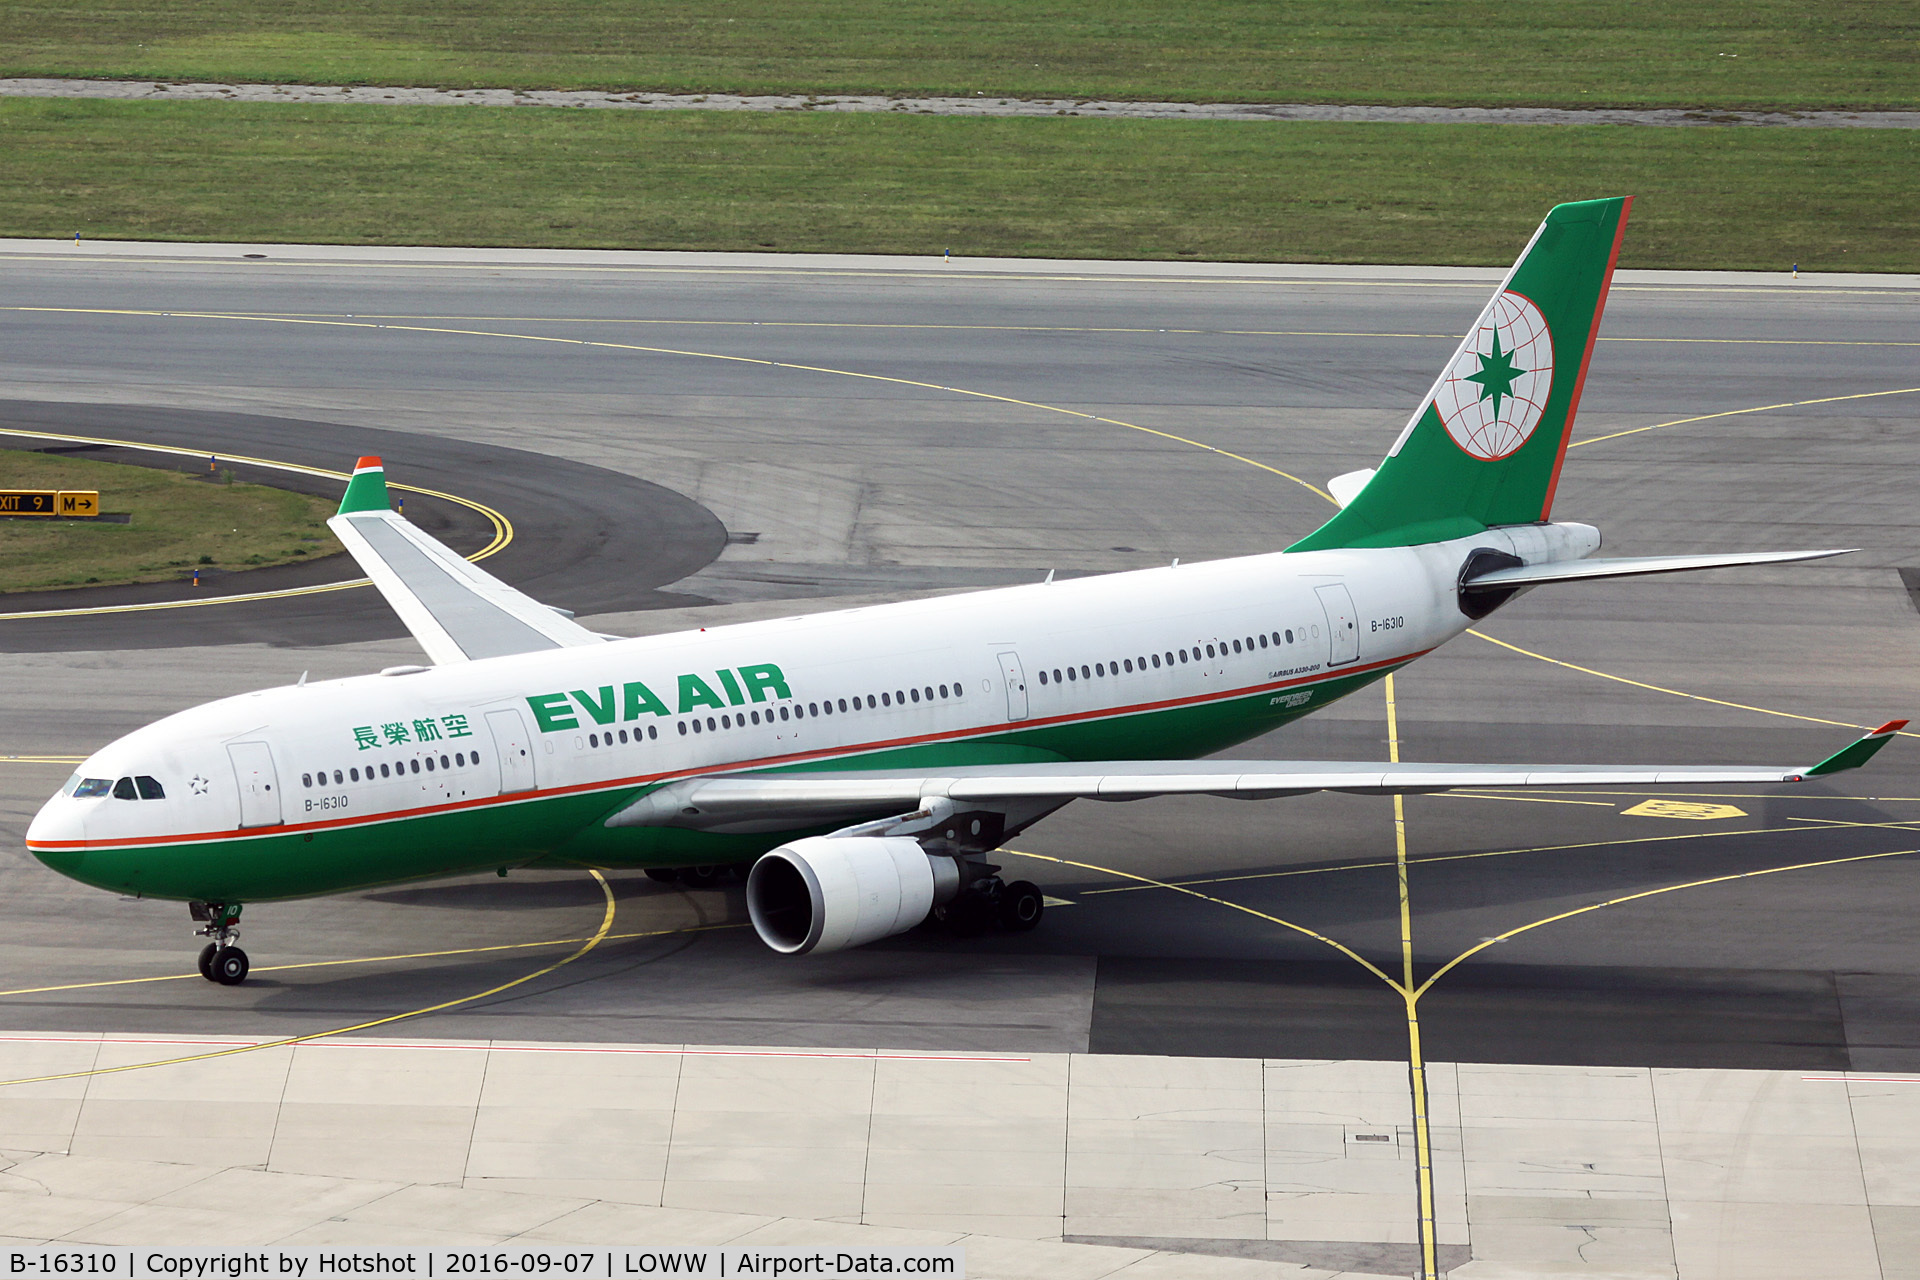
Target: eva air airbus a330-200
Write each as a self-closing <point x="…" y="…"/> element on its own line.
<point x="867" y="763"/>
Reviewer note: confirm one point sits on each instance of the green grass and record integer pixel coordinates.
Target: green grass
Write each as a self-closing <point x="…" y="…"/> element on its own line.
<point x="1834" y="199"/>
<point x="179" y="523"/>
<point x="1726" y="53"/>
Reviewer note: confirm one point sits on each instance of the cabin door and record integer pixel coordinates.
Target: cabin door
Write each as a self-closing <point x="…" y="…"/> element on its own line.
<point x="1343" y="624"/>
<point x="1016" y="686"/>
<point x="513" y="748"/>
<point x="259" y="784"/>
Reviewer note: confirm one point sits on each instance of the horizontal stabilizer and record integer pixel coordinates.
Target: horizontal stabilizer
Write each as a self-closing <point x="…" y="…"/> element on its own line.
<point x="1532" y="575"/>
<point x="718" y="802"/>
<point x="1347" y="487"/>
<point x="457" y="612"/>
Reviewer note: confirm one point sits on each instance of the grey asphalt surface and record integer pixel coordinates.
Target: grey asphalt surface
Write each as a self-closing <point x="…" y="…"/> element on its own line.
<point x="817" y="488"/>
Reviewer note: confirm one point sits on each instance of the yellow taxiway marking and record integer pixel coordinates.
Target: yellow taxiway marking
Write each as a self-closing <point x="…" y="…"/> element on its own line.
<point x="354" y="960"/>
<point x="1422" y="860"/>
<point x="1416" y="1058"/>
<point x="1643" y="894"/>
<point x="1734" y="413"/>
<point x="42" y="759"/>
<point x="1823" y="823"/>
<point x="1683" y="809"/>
<point x="606" y="925"/>
<point x="1677" y="693"/>
<point x="502" y="527"/>
<point x="1471" y="795"/>
<point x="1148" y="882"/>
<point x="1797" y="796"/>
<point x="699" y="355"/>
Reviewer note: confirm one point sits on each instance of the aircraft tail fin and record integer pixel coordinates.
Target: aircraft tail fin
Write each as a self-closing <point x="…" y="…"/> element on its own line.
<point x="1486" y="444"/>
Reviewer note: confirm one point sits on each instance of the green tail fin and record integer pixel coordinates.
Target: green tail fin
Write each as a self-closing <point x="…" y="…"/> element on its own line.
<point x="367" y="491"/>
<point x="1485" y="447"/>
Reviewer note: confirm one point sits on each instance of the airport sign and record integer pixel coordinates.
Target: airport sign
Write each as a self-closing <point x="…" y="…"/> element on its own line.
<point x="72" y="504"/>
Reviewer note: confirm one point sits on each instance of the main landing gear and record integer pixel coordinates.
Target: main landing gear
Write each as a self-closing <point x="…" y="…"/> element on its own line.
<point x="220" y="960"/>
<point x="989" y="901"/>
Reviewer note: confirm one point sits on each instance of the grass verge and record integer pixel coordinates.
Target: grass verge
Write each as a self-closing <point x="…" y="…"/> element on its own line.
<point x="179" y="522"/>
<point x="1727" y="53"/>
<point x="1829" y="199"/>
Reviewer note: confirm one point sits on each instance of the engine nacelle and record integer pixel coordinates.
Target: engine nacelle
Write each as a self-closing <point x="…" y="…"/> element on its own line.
<point x="827" y="894"/>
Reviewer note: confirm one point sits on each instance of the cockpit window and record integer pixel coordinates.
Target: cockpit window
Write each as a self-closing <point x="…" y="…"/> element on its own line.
<point x="150" y="788"/>
<point x="88" y="788"/>
<point x="123" y="790"/>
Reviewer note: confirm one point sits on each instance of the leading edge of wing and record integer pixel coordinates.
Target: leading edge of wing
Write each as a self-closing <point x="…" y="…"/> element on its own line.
<point x="733" y="796"/>
<point x="457" y="612"/>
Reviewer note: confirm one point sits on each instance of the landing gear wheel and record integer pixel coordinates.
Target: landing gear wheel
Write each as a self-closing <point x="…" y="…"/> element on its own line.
<point x="206" y="960"/>
<point x="664" y="875"/>
<point x="701" y="877"/>
<point x="966" y="916"/>
<point x="229" y="966"/>
<point x="1021" y="906"/>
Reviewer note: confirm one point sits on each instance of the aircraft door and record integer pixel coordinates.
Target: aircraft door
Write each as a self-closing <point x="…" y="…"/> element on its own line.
<point x="513" y="749"/>
<point x="1016" y="686"/>
<point x="1343" y="624"/>
<point x="259" y="784"/>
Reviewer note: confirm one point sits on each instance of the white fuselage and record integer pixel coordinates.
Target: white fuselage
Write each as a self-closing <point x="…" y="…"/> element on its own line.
<point x="938" y="673"/>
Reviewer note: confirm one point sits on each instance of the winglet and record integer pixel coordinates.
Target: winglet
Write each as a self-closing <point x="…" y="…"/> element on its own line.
<point x="1855" y="754"/>
<point x="367" y="491"/>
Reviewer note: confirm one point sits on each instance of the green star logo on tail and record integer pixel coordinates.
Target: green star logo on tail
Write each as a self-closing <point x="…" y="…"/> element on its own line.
<point x="1497" y="375"/>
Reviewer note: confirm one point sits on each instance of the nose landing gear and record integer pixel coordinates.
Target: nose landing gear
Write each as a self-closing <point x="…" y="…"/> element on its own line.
<point x="220" y="960"/>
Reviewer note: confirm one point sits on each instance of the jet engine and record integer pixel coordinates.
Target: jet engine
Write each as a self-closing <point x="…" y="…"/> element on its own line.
<point x="827" y="893"/>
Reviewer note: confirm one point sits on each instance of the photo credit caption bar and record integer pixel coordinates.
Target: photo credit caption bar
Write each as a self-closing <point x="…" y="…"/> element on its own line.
<point x="460" y="1264"/>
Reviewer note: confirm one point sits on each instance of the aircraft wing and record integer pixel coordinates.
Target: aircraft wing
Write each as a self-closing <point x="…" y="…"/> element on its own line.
<point x="457" y="612"/>
<point x="827" y="796"/>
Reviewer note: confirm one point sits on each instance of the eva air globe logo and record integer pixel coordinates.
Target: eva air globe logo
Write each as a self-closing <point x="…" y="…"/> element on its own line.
<point x="1492" y="395"/>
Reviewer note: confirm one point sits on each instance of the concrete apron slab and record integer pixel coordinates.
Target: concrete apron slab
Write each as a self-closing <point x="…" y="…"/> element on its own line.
<point x="1040" y="1164"/>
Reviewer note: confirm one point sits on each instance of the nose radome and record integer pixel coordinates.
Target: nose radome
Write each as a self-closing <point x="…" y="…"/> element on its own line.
<point x="55" y="833"/>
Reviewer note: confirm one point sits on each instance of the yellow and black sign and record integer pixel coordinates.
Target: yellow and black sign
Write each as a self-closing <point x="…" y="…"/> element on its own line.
<point x="71" y="504"/>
